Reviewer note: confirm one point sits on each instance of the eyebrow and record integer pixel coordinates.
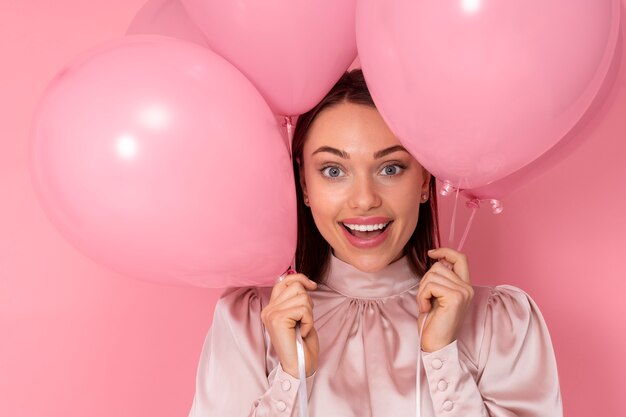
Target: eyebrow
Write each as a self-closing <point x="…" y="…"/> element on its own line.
<point x="345" y="155"/>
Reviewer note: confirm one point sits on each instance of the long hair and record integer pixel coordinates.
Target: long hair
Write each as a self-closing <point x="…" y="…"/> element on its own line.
<point x="312" y="251"/>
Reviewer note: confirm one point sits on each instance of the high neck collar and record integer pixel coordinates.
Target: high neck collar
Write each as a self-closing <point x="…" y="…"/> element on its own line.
<point x="393" y="279"/>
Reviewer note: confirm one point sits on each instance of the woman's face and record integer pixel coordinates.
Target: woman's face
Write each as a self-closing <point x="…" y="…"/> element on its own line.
<point x="356" y="173"/>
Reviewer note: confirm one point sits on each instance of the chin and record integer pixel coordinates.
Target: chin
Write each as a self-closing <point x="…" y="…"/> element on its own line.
<point x="369" y="262"/>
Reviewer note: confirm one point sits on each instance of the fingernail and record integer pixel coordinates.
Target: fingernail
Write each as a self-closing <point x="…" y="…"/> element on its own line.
<point x="432" y="250"/>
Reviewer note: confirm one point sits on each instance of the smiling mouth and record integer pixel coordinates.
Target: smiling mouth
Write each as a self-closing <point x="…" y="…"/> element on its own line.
<point x="361" y="231"/>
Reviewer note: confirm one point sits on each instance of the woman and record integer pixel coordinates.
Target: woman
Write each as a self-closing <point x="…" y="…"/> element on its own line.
<point x="367" y="217"/>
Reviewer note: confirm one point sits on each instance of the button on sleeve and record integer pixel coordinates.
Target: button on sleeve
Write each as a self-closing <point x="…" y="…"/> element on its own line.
<point x="448" y="405"/>
<point x="513" y="335"/>
<point x="284" y="390"/>
<point x="442" y="385"/>
<point x="286" y="385"/>
<point x="436" y="363"/>
<point x="452" y="387"/>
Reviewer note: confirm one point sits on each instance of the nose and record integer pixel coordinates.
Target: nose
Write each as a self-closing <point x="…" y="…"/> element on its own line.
<point x="364" y="194"/>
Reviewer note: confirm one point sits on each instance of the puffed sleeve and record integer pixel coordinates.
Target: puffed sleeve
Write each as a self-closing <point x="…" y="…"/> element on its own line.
<point x="520" y="375"/>
<point x="517" y="374"/>
<point x="232" y="377"/>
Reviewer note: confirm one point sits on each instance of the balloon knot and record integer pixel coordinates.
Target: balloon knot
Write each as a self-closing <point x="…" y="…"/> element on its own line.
<point x="446" y="188"/>
<point x="496" y="206"/>
<point x="474" y="203"/>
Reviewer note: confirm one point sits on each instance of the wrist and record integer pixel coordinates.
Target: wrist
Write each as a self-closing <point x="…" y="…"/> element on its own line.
<point x="436" y="347"/>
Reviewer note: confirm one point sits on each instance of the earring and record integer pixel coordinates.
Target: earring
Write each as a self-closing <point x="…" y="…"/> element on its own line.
<point x="424" y="198"/>
<point x="306" y="201"/>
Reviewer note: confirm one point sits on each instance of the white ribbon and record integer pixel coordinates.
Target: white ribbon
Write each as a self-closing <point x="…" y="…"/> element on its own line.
<point x="302" y="391"/>
<point x="418" y="390"/>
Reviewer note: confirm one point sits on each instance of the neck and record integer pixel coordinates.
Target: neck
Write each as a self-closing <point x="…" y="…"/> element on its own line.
<point x="393" y="279"/>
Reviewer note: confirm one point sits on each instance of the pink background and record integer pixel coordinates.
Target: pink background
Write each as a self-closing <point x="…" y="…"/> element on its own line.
<point x="79" y="340"/>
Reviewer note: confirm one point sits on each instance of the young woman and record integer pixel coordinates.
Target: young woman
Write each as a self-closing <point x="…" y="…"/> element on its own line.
<point x="367" y="219"/>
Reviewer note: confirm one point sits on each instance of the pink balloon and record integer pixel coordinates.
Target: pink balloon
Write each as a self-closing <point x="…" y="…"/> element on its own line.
<point x="477" y="89"/>
<point x="293" y="51"/>
<point x="356" y="64"/>
<point x="158" y="159"/>
<point x="597" y="111"/>
<point x="168" y="18"/>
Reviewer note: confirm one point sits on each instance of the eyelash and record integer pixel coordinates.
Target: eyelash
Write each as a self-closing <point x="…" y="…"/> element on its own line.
<point x="399" y="165"/>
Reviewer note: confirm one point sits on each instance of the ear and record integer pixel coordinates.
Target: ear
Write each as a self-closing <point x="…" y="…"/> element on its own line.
<point x="301" y="175"/>
<point x="426" y="182"/>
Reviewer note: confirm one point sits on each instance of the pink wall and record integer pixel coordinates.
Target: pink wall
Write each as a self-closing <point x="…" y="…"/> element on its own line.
<point x="80" y="340"/>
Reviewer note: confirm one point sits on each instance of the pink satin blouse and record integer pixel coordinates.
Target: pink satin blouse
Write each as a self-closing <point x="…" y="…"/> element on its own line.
<point x="501" y="365"/>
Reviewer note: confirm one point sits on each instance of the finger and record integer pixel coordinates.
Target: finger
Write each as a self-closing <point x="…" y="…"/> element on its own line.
<point x="277" y="306"/>
<point x="463" y="290"/>
<point x="425" y="303"/>
<point x="455" y="284"/>
<point x="300" y="313"/>
<point x="433" y="291"/>
<point x="289" y="271"/>
<point x="441" y="269"/>
<point x="290" y="279"/>
<point x="291" y="291"/>
<point x="296" y="300"/>
<point x="277" y="315"/>
<point x="284" y="282"/>
<point x="446" y="263"/>
<point x="435" y="277"/>
<point x="441" y="288"/>
<point x="457" y="259"/>
<point x="306" y="322"/>
<point x="434" y="274"/>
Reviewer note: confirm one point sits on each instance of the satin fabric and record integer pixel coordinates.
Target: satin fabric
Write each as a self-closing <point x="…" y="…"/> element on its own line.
<point x="501" y="365"/>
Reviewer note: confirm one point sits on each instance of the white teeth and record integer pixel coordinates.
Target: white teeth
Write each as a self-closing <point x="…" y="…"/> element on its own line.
<point x="366" y="228"/>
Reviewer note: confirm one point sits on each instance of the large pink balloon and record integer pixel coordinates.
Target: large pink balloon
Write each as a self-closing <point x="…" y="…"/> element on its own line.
<point x="579" y="134"/>
<point x="293" y="51"/>
<point x="160" y="160"/>
<point x="477" y="89"/>
<point x="168" y="18"/>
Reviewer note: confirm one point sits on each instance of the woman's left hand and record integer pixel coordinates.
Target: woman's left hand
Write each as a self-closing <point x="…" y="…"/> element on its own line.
<point x="445" y="292"/>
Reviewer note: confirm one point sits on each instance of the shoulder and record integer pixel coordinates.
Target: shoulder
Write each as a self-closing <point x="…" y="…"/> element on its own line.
<point x="511" y="308"/>
<point x="498" y="312"/>
<point x="241" y="303"/>
<point x="502" y="301"/>
<point x="511" y="301"/>
<point x="237" y="318"/>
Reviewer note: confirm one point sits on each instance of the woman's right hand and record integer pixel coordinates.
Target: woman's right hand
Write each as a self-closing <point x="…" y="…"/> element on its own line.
<point x="289" y="303"/>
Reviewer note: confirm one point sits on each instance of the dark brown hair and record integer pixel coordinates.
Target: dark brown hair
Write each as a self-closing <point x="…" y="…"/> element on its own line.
<point x="313" y="252"/>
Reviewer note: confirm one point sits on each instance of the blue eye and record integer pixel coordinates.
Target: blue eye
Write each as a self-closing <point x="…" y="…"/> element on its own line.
<point x="391" y="170"/>
<point x="331" y="172"/>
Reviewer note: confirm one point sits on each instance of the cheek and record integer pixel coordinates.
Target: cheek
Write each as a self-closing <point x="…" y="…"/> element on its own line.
<point x="325" y="207"/>
<point x="404" y="202"/>
<point x="405" y="196"/>
<point x="324" y="195"/>
<point x="408" y="209"/>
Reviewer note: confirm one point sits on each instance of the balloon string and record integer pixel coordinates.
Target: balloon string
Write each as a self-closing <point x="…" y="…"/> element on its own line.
<point x="288" y="121"/>
<point x="453" y="222"/>
<point x="473" y="204"/>
<point x="302" y="391"/>
<point x="418" y="389"/>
